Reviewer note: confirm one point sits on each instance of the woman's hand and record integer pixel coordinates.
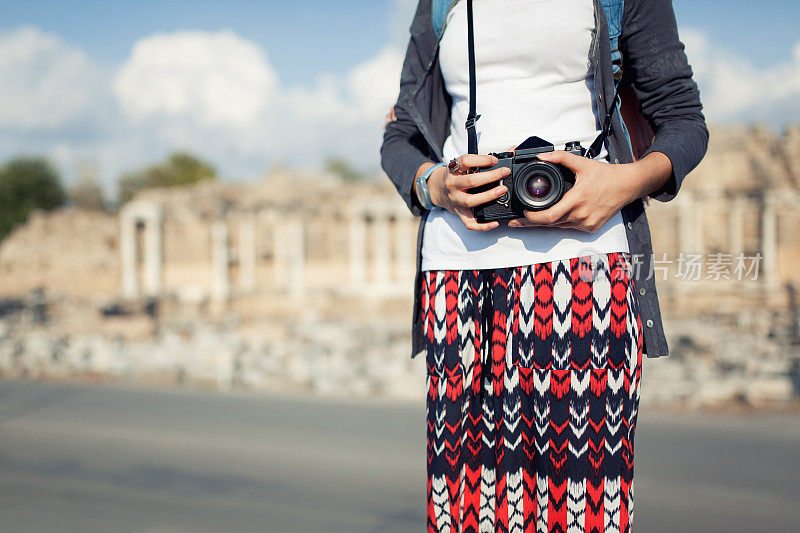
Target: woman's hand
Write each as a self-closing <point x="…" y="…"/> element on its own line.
<point x="448" y="188"/>
<point x="600" y="190"/>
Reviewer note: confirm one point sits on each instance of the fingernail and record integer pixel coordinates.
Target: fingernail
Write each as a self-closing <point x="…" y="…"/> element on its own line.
<point x="495" y="160"/>
<point x="505" y="171"/>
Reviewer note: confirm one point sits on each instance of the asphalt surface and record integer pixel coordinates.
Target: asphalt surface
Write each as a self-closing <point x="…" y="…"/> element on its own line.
<point x="111" y="458"/>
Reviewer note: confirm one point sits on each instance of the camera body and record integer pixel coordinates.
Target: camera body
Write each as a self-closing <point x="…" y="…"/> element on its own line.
<point x="534" y="184"/>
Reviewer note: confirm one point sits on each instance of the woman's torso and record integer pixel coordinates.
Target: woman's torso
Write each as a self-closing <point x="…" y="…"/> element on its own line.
<point x="533" y="78"/>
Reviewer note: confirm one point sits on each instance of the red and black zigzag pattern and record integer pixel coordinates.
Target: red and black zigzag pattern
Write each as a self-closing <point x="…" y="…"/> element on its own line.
<point x="533" y="383"/>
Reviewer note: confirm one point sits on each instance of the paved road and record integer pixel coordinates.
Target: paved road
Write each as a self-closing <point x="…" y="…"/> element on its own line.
<point x="97" y="459"/>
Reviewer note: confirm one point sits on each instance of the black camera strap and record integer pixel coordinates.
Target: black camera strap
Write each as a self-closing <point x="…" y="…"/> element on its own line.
<point x="472" y="117"/>
<point x="597" y="145"/>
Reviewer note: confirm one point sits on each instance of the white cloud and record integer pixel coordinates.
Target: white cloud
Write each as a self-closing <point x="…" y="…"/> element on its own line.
<point x="45" y="83"/>
<point x="251" y="120"/>
<point x="734" y="88"/>
<point x="217" y="94"/>
<point x="362" y="95"/>
<point x="213" y="93"/>
<point x="219" y="79"/>
<point x="374" y="84"/>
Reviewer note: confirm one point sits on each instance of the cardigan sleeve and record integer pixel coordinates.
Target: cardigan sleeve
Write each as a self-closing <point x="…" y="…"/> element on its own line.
<point x="404" y="148"/>
<point x="661" y="77"/>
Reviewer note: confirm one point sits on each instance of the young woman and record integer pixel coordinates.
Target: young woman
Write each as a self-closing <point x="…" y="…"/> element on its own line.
<point x="534" y="329"/>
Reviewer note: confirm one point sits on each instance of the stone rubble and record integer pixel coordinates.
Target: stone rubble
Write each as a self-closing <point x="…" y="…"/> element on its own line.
<point x="302" y="282"/>
<point x="350" y="357"/>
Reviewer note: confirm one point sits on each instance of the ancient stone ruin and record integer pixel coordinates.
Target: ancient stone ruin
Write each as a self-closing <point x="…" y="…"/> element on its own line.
<point x="303" y="282"/>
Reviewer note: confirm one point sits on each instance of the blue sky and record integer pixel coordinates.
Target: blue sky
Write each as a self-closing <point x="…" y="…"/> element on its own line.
<point x="343" y="54"/>
<point x="309" y="36"/>
<point x="763" y="31"/>
<point x="303" y="37"/>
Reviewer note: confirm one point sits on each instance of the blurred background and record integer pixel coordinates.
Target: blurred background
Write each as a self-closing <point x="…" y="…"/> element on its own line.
<point x="206" y="279"/>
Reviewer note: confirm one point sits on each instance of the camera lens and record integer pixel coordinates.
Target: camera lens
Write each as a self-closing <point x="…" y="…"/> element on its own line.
<point x="538" y="185"/>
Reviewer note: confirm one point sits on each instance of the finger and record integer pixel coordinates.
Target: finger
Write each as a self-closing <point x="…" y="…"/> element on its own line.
<point x="390" y="117"/>
<point x="555" y="214"/>
<point x="471" y="224"/>
<point x="468" y="181"/>
<point x="521" y="223"/>
<point x="476" y="161"/>
<point x="472" y="199"/>
<point x="573" y="162"/>
<point x="525" y="223"/>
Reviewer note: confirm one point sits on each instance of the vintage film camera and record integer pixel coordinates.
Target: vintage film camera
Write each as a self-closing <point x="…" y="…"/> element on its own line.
<point x="533" y="184"/>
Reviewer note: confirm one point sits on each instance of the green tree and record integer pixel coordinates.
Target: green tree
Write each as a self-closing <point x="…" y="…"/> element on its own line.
<point x="179" y="169"/>
<point x="342" y="168"/>
<point x="26" y="184"/>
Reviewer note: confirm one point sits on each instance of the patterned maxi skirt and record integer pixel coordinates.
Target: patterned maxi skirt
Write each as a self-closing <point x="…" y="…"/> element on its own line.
<point x="533" y="380"/>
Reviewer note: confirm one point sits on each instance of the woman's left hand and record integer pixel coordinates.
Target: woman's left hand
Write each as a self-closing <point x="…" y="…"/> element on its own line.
<point x="600" y="190"/>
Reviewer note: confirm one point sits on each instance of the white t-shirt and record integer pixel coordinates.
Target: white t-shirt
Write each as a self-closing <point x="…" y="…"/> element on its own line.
<point x="533" y="78"/>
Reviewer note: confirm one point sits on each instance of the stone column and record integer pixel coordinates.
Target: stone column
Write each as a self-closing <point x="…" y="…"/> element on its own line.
<point x="279" y="254"/>
<point x="289" y="254"/>
<point x="247" y="253"/>
<point x="220" y="261"/>
<point x="701" y="206"/>
<point x="405" y="262"/>
<point x="153" y="253"/>
<point x="382" y="251"/>
<point x="686" y="222"/>
<point x="686" y="245"/>
<point x="296" y="258"/>
<point x="358" y="249"/>
<point x="736" y="226"/>
<point x="148" y="214"/>
<point x="130" y="267"/>
<point x="769" y="243"/>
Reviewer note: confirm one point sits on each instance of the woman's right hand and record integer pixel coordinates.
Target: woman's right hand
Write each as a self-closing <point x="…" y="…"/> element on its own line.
<point x="448" y="188"/>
